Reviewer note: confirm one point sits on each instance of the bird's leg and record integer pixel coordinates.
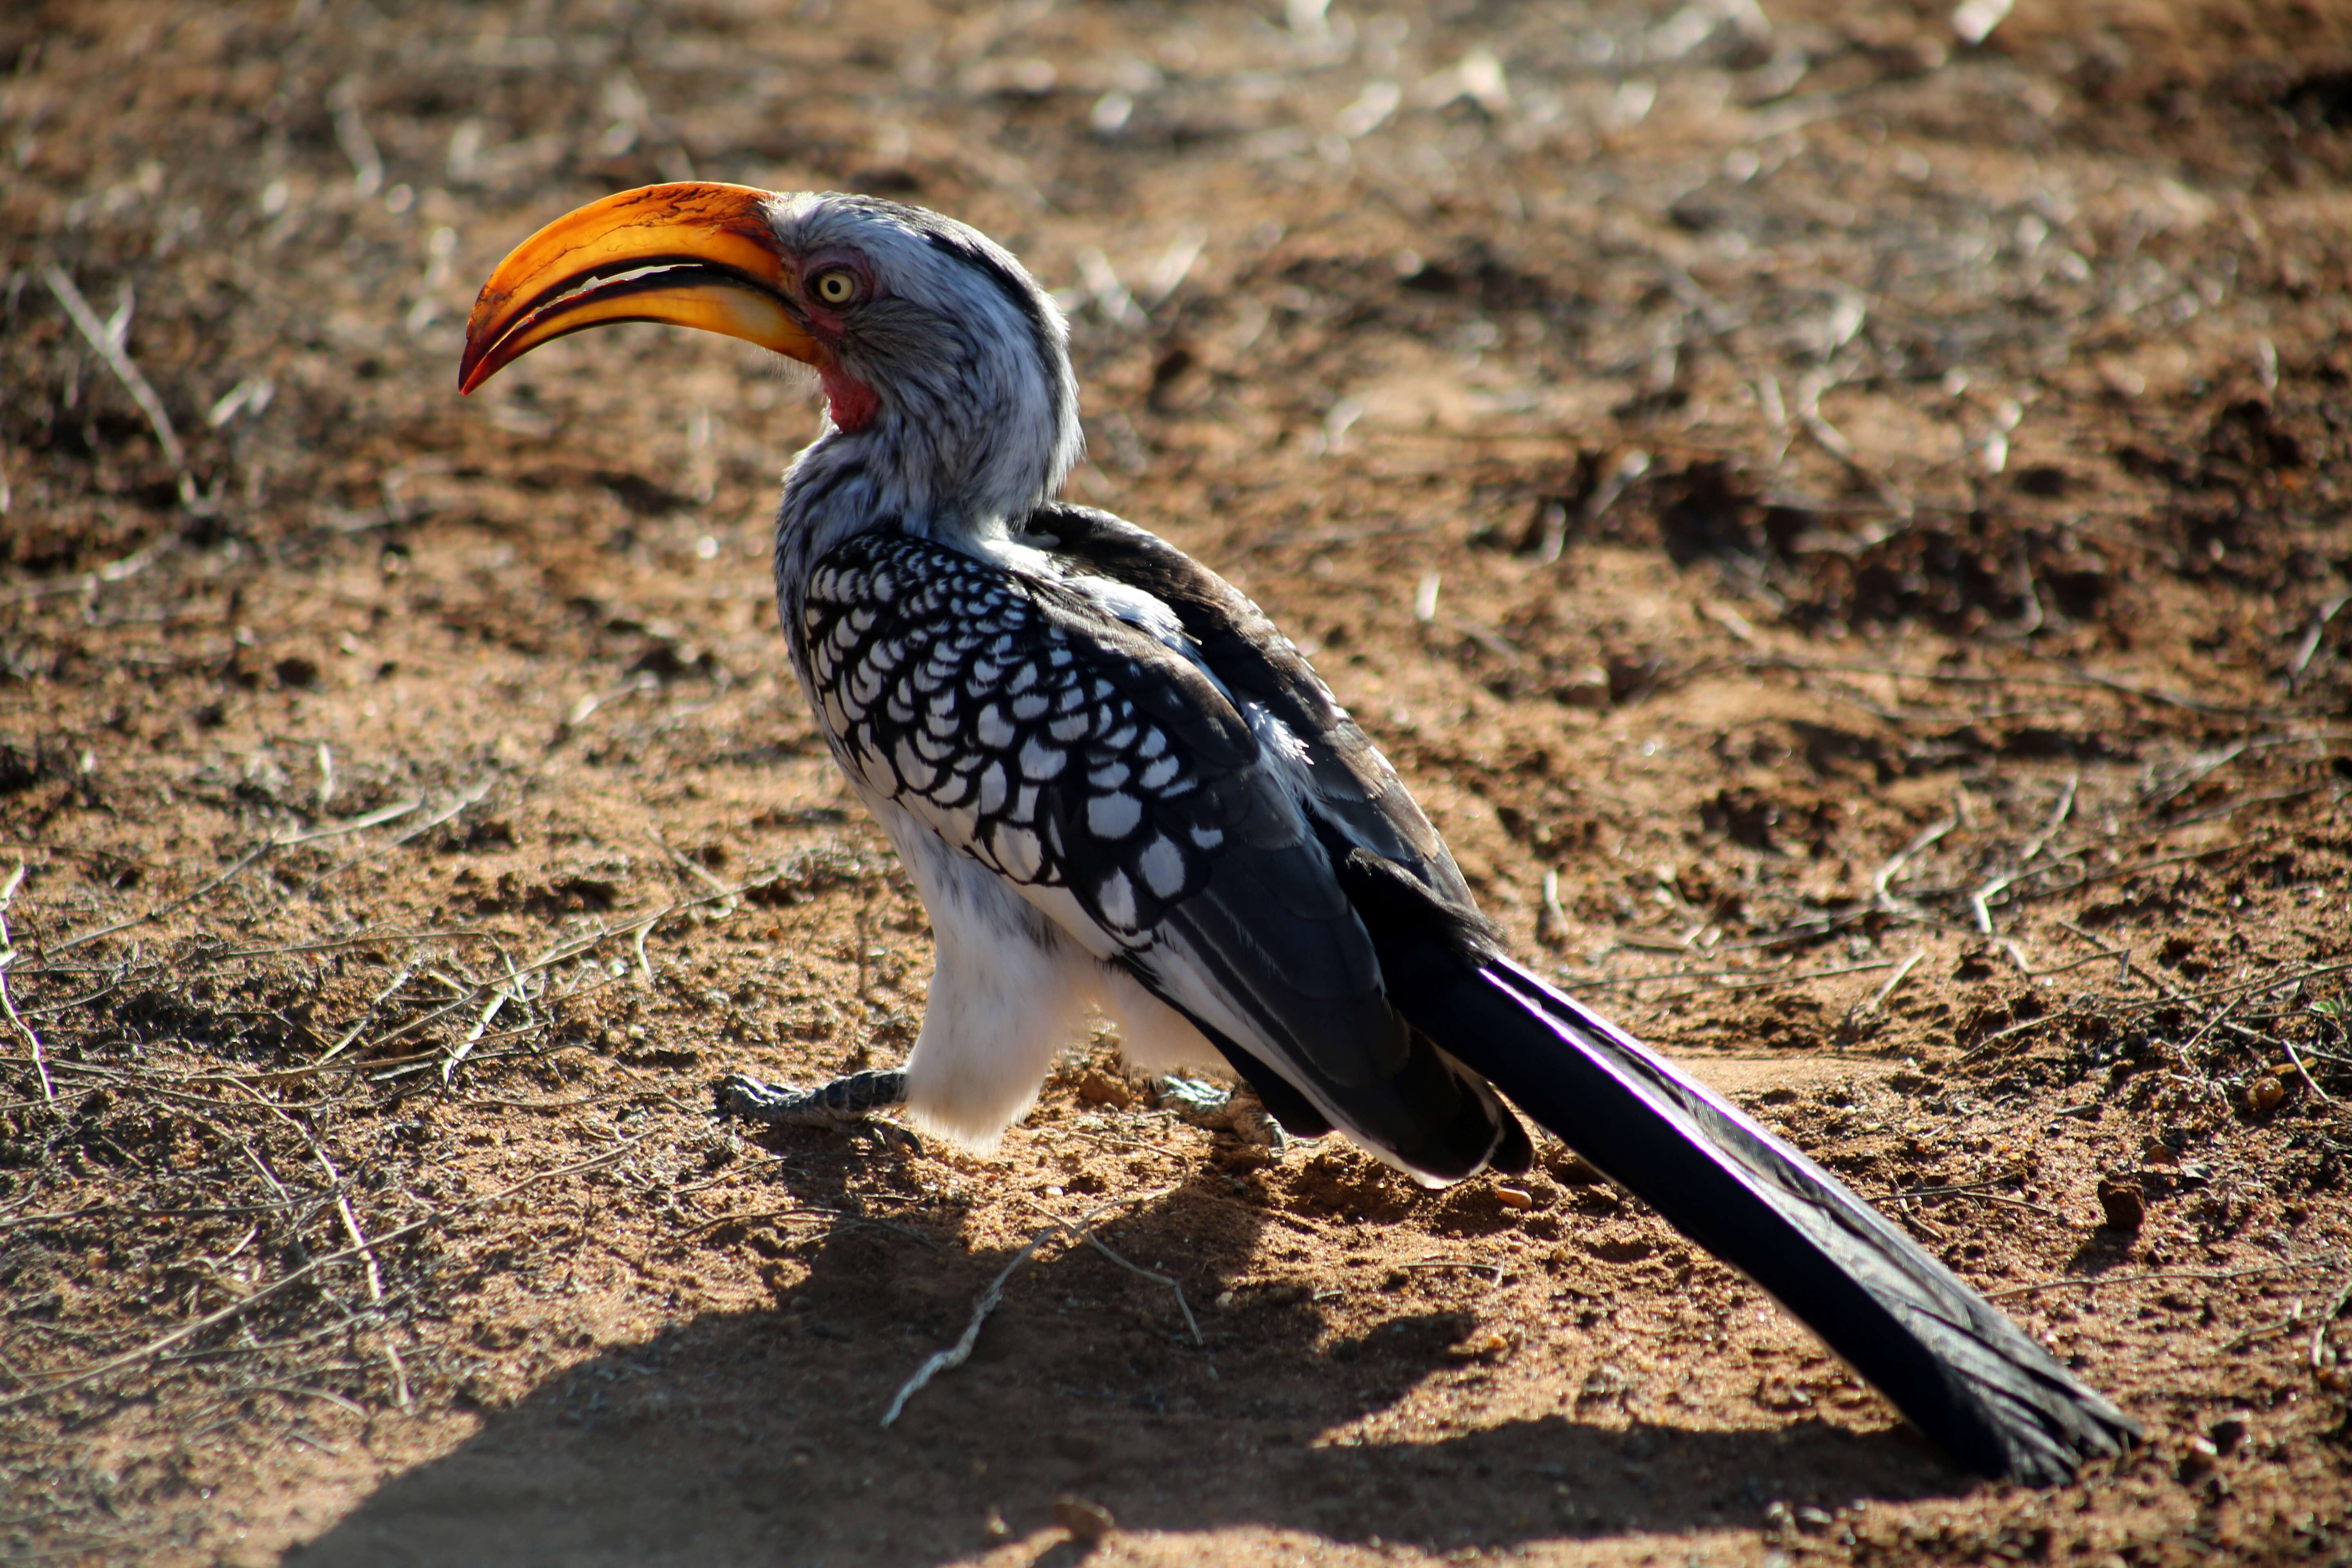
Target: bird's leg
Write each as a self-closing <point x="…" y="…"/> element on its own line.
<point x="847" y="1101"/>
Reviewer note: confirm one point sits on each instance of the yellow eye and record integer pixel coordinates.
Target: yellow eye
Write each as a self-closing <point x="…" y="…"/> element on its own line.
<point x="835" y="286"/>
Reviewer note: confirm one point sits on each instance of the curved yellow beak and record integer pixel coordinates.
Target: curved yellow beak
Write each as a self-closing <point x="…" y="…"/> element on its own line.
<point x="693" y="254"/>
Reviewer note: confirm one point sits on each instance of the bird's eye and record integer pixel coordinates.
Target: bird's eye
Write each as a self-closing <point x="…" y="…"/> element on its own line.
<point x="835" y="286"/>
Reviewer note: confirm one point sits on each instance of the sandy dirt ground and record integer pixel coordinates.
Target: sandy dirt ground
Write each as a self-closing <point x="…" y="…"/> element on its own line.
<point x="1840" y="516"/>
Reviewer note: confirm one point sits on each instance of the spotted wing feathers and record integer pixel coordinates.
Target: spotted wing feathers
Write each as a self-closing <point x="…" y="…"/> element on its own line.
<point x="1050" y="751"/>
<point x="1118" y="781"/>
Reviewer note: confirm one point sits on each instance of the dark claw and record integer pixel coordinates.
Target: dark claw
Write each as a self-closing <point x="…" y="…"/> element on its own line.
<point x="890" y="1135"/>
<point x="846" y="1099"/>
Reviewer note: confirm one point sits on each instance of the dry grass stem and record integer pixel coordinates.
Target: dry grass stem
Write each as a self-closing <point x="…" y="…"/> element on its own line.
<point x="2159" y="1276"/>
<point x="7" y="999"/>
<point x="110" y="348"/>
<point x="1894" y="982"/>
<point x="1081" y="1232"/>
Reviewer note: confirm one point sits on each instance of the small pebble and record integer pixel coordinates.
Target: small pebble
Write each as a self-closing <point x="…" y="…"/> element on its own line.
<point x="2124" y="1202"/>
<point x="1587" y="687"/>
<point x="1487" y="1346"/>
<point x="1098" y="1088"/>
<point x="1085" y="1520"/>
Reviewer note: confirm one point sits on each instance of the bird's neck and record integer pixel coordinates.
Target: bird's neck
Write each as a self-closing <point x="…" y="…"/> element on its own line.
<point x="848" y="482"/>
<point x="965" y="472"/>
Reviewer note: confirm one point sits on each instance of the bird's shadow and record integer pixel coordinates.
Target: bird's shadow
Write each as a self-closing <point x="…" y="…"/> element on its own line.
<point x="755" y="1437"/>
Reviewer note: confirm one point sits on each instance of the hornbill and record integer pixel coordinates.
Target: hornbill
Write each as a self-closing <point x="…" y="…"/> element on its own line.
<point x="1116" y="784"/>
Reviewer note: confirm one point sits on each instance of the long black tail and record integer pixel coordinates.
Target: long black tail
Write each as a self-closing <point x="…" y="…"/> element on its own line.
<point x="1950" y="1360"/>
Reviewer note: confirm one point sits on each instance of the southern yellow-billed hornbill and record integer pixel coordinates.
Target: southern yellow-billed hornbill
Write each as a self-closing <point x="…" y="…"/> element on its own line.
<point x="1116" y="782"/>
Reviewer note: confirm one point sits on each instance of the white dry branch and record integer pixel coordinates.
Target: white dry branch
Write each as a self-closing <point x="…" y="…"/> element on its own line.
<point x="956" y="1354"/>
<point x="1080" y="1232"/>
<point x="126" y="371"/>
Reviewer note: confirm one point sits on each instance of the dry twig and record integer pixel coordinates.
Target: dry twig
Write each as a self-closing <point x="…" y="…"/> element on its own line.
<point x="1091" y="1239"/>
<point x="2093" y="1281"/>
<point x="2310" y="645"/>
<point x="155" y="1349"/>
<point x="956" y="1354"/>
<point x="2305" y="1073"/>
<point x="1878" y="997"/>
<point x="1492" y="1270"/>
<point x="185" y="1331"/>
<point x="1881" y="884"/>
<point x="7" y="952"/>
<point x="126" y="371"/>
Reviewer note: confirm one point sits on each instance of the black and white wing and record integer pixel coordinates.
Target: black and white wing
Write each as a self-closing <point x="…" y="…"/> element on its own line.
<point x="1062" y="728"/>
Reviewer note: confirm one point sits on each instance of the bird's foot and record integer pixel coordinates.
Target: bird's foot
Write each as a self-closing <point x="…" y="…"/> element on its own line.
<point x="1197" y="1101"/>
<point x="847" y="1103"/>
<point x="1221" y="1109"/>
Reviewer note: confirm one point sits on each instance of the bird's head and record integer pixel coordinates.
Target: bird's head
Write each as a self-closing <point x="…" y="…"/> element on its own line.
<point x="936" y="347"/>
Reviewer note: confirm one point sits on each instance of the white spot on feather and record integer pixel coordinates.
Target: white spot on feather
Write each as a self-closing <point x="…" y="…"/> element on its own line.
<point x="1113" y="815"/>
<point x="1116" y="899"/>
<point x="1039" y="761"/>
<point x="1163" y="864"/>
